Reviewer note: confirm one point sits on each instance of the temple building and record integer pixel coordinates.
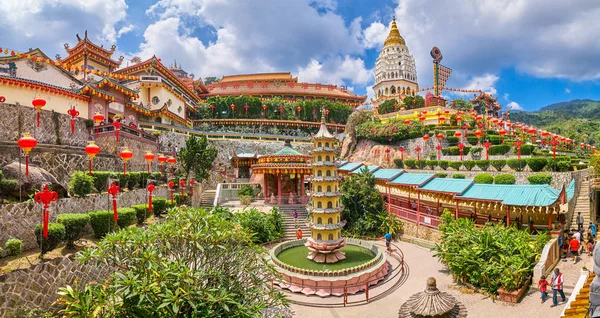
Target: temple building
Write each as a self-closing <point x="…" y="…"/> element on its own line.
<point x="241" y="163"/>
<point x="325" y="209"/>
<point x="283" y="175"/>
<point x="269" y="85"/>
<point x="395" y="69"/>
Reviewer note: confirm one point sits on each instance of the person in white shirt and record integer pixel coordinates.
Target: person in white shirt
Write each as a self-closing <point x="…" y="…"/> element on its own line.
<point x="556" y="281"/>
<point x="577" y="236"/>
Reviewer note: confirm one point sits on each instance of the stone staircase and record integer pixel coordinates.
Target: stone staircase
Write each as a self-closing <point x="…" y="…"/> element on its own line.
<point x="208" y="198"/>
<point x="582" y="205"/>
<point x="288" y="221"/>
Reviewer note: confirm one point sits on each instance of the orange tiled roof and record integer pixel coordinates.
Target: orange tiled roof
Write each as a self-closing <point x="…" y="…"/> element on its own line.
<point x="579" y="307"/>
<point x="86" y="46"/>
<point x="281" y="76"/>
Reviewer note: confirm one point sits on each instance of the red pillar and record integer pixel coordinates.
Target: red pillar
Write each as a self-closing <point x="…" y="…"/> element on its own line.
<point x="418" y="208"/>
<point x="476" y="214"/>
<point x="265" y="186"/>
<point x="279" y="189"/>
<point x="507" y="216"/>
<point x="302" y="187"/>
<point x="456" y="211"/>
<point x="550" y="221"/>
<point x="389" y="199"/>
<point x="438" y="207"/>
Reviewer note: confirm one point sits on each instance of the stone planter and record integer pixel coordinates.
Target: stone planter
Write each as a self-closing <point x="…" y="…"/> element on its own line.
<point x="513" y="296"/>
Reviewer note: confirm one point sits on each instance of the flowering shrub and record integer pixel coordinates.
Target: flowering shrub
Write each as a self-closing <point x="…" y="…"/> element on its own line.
<point x="391" y="131"/>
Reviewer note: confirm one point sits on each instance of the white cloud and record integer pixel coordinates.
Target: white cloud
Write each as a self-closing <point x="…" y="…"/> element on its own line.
<point x="485" y="83"/>
<point x="567" y="90"/>
<point x="514" y="106"/>
<point x="505" y="96"/>
<point x="126" y="29"/>
<point x="336" y="70"/>
<point x="538" y="37"/>
<point x="374" y="35"/>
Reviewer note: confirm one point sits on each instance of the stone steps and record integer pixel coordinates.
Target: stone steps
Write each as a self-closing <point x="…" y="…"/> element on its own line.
<point x="208" y="198"/>
<point x="582" y="205"/>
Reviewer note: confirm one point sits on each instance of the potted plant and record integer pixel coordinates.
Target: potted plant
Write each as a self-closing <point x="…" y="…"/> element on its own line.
<point x="514" y="281"/>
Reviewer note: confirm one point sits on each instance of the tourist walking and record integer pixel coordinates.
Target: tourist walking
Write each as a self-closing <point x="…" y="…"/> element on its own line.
<point x="299" y="233"/>
<point x="575" y="244"/>
<point x="557" y="287"/>
<point x="295" y="215"/>
<point x="543" y="284"/>
<point x="413" y="206"/>
<point x="579" y="221"/>
<point x="577" y="236"/>
<point x="388" y="242"/>
<point x="592" y="228"/>
<point x="590" y="246"/>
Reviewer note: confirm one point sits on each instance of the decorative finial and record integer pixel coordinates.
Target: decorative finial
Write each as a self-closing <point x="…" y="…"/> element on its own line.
<point x="322" y="115"/>
<point x="394" y="18"/>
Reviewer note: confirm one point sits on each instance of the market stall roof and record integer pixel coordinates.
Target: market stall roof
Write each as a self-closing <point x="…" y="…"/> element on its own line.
<point x="412" y="179"/>
<point x="387" y="174"/>
<point x="454" y="186"/>
<point x="371" y="169"/>
<point x="513" y="194"/>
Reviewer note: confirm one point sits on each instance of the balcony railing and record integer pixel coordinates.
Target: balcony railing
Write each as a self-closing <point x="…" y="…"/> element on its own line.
<point x="109" y="128"/>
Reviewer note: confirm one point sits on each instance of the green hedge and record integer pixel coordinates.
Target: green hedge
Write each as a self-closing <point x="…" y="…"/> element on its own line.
<point x="540" y="178"/>
<point x="458" y="176"/>
<point x="516" y="164"/>
<point x="498" y="164"/>
<point x="452" y="140"/>
<point x="74" y="225"/>
<point x="141" y="212"/>
<point x="127" y="217"/>
<point x="495" y="139"/>
<point x="441" y="174"/>
<point x="431" y="164"/>
<point x="160" y="205"/>
<point x="484" y="178"/>
<point x="483" y="164"/>
<point x="536" y="164"/>
<point x="410" y="163"/>
<point x="561" y="164"/>
<point x="476" y="150"/>
<point x="444" y="164"/>
<point x="455" y="151"/>
<point x="469" y="164"/>
<point x="505" y="179"/>
<point x="499" y="150"/>
<point x="13" y="247"/>
<point x="472" y="140"/>
<point x="455" y="165"/>
<point x="102" y="222"/>
<point x="81" y="184"/>
<point x="56" y="235"/>
<point x="525" y="149"/>
<point x="399" y="163"/>
<point x="9" y="186"/>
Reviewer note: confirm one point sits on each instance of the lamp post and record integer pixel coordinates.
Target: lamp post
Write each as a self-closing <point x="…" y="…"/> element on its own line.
<point x="518" y="144"/>
<point x="478" y="134"/>
<point x="387" y="154"/>
<point x="73" y="113"/>
<point x="418" y="150"/>
<point x="440" y="137"/>
<point x="298" y="109"/>
<point x="264" y="107"/>
<point x="280" y="112"/>
<point x="553" y="143"/>
<point x="192" y="182"/>
<point x="487" y="144"/>
<point x="149" y="157"/>
<point x="92" y="150"/>
<point x="26" y="143"/>
<point x="150" y="189"/>
<point x="246" y="108"/>
<point x="182" y="186"/>
<point x="232" y="110"/>
<point x="38" y="103"/>
<point x="461" y="146"/>
<point x="125" y="154"/>
<point x="171" y="184"/>
<point x="422" y="119"/>
<point x="465" y="127"/>
<point x="532" y="131"/>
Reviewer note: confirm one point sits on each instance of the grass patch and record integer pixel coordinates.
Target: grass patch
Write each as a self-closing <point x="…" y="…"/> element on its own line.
<point x="355" y="255"/>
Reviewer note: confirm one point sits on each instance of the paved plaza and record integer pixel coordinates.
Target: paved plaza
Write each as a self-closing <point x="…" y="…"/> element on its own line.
<point x="421" y="265"/>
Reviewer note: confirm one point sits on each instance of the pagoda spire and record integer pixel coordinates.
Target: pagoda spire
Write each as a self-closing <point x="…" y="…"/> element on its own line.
<point x="394" y="37"/>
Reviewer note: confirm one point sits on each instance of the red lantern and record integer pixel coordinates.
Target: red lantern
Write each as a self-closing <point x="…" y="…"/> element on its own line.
<point x="461" y="146"/>
<point x="401" y="149"/>
<point x="518" y="144"/>
<point x="478" y="118"/>
<point x="73" y="113"/>
<point x="458" y="134"/>
<point x="425" y="138"/>
<point x="26" y="143"/>
<point x="161" y="160"/>
<point x="150" y="189"/>
<point x="171" y="184"/>
<point x="125" y="154"/>
<point x="45" y="197"/>
<point x="487" y="144"/>
<point x="407" y="122"/>
<point x="418" y="150"/>
<point x="113" y="190"/>
<point x="502" y="132"/>
<point x="38" y="103"/>
<point x="92" y="150"/>
<point x="98" y="118"/>
<point x="182" y="186"/>
<point x="192" y="182"/>
<point x="440" y="136"/>
<point x="149" y="156"/>
<point x="172" y="162"/>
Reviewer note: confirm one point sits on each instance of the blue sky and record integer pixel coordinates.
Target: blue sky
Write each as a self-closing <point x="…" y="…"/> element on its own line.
<point x="529" y="53"/>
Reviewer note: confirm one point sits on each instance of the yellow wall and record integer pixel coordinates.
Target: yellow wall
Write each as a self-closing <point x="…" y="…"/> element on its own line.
<point x="58" y="103"/>
<point x="50" y="74"/>
<point x="177" y="106"/>
<point x="325" y="234"/>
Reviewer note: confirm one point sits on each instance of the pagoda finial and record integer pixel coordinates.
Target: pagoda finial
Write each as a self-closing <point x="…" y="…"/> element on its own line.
<point x="394" y="18"/>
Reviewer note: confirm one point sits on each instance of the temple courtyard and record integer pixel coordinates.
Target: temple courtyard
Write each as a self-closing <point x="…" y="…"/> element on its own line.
<point x="422" y="265"/>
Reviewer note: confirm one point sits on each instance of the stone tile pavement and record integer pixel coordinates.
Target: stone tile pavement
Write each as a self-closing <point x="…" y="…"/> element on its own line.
<point x="422" y="264"/>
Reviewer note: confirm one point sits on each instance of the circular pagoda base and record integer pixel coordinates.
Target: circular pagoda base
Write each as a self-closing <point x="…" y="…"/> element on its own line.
<point x="325" y="251"/>
<point x="326" y="282"/>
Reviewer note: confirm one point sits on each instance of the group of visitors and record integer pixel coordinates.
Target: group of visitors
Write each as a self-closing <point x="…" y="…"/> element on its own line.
<point x="573" y="242"/>
<point x="556" y="283"/>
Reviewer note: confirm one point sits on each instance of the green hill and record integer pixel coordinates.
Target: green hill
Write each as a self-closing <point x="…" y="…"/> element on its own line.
<point x="578" y="119"/>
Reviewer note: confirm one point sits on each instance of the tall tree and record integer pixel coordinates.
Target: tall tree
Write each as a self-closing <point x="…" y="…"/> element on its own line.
<point x="211" y="79"/>
<point x="388" y="106"/>
<point x="197" y="156"/>
<point x="363" y="204"/>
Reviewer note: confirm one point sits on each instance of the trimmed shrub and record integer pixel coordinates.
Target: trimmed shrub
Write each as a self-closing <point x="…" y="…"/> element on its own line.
<point x="452" y="140"/>
<point x="56" y="234"/>
<point x="458" y="176"/>
<point x="123" y="180"/>
<point x="102" y="222"/>
<point x="133" y="180"/>
<point x="472" y="140"/>
<point x="540" y="178"/>
<point x="81" y="184"/>
<point x="561" y="164"/>
<point x="498" y="164"/>
<point x="443" y="164"/>
<point x="13" y="247"/>
<point x="127" y="217"/>
<point x="494" y="139"/>
<point x="421" y="164"/>
<point x="498" y="150"/>
<point x="483" y="164"/>
<point x="516" y="164"/>
<point x="489" y="132"/>
<point x="455" y="151"/>
<point x="441" y="174"/>
<point x="159" y="205"/>
<point x="410" y="163"/>
<point x="432" y="164"/>
<point x="181" y="201"/>
<point x="469" y="164"/>
<point x="536" y="164"/>
<point x="141" y="212"/>
<point x="9" y="185"/>
<point x="399" y="163"/>
<point x="476" y="150"/>
<point x="246" y="190"/>
<point x="432" y="156"/>
<point x="484" y="178"/>
<point x="505" y="179"/>
<point x="100" y="180"/>
<point x="455" y="164"/>
<point x="74" y="225"/>
<point x="525" y="149"/>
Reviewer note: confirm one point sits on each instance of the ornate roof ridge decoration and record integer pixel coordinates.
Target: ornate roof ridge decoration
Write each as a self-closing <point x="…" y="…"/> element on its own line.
<point x="126" y="91"/>
<point x="93" y="90"/>
<point x="156" y="64"/>
<point x="42" y="86"/>
<point x="432" y="303"/>
<point x="138" y="108"/>
<point x="164" y="110"/>
<point x="394" y="37"/>
<point x="37" y="51"/>
<point x="87" y="47"/>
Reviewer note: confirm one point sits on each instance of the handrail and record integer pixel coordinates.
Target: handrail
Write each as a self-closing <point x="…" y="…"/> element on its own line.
<point x="217" y="195"/>
<point x="107" y="128"/>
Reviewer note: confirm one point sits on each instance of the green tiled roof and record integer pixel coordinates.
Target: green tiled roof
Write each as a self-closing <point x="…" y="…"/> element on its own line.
<point x="571" y="190"/>
<point x="244" y="155"/>
<point x="387" y="174"/>
<point x="513" y="194"/>
<point x="350" y="166"/>
<point x="454" y="186"/>
<point x="412" y="179"/>
<point x="371" y="169"/>
<point x="288" y="151"/>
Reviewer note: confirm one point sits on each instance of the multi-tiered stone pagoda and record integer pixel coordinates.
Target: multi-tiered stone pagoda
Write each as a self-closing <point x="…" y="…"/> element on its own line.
<point x="325" y="225"/>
